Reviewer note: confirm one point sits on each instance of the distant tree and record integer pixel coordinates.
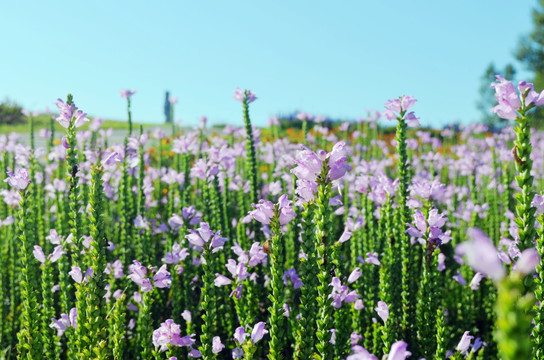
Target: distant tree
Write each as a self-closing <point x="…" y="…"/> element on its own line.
<point x="487" y="94"/>
<point x="10" y="113"/>
<point x="530" y="52"/>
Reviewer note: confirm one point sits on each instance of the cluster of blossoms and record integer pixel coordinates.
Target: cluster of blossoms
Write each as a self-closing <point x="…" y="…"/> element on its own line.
<point x="177" y="255"/>
<point x="65" y="322"/>
<point x="309" y="166"/>
<point x="396" y="109"/>
<point x="169" y="334"/>
<point x="54" y="256"/>
<point x="138" y="274"/>
<point x="429" y="229"/>
<point x="19" y="180"/>
<point x="255" y="256"/>
<point x="240" y="336"/>
<point x="239" y="273"/>
<point x="509" y="102"/>
<point x="188" y="214"/>
<point x="69" y="112"/>
<point x="126" y="94"/>
<point x="341" y="294"/>
<point x="292" y="275"/>
<point x="264" y="211"/>
<point x="483" y="256"/>
<point x="241" y="96"/>
<point x="204" y="238"/>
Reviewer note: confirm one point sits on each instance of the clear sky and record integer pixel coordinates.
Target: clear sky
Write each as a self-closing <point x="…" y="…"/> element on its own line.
<point x="333" y="58"/>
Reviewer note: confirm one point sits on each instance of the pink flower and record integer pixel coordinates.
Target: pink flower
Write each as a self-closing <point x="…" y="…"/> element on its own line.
<point x="217" y="346"/>
<point x="464" y="344"/>
<point x="169" y="335"/>
<point x="528" y="261"/>
<point x="481" y="254"/>
<point x="245" y="95"/>
<point x="205" y="237"/>
<point x="398" y="351"/>
<point x="337" y="161"/>
<point x="19" y="180"/>
<point x="383" y="311"/>
<point x="258" y="332"/>
<point x="507" y="98"/>
<point x="264" y="211"/>
<point x="286" y="210"/>
<point x="126" y="94"/>
<point x="69" y="112"/>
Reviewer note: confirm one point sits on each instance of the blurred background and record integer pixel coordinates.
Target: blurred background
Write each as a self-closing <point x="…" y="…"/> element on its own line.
<point x="340" y="60"/>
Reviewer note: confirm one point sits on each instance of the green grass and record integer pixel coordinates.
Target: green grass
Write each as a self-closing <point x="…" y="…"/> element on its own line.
<point x="43" y="121"/>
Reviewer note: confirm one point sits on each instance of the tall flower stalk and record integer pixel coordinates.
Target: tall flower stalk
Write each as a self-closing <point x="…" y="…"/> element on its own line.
<point x="512" y="106"/>
<point x="397" y="109"/>
<point x="246" y="97"/>
<point x="29" y="337"/>
<point x="275" y="216"/>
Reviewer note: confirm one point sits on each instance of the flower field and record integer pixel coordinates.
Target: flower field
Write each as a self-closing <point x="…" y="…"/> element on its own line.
<point x="325" y="242"/>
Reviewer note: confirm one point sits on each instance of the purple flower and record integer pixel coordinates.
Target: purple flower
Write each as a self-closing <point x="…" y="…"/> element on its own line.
<point x="258" y="332"/>
<point x="341" y="294"/>
<point x="398" y="351"/>
<point x="217" y="346"/>
<point x="528" y="261"/>
<point x="73" y="317"/>
<point x="306" y="189"/>
<point x="360" y="353"/>
<point x="237" y="353"/>
<point x="464" y="344"/>
<point x="69" y="112"/>
<point x="507" y="98"/>
<point x="168" y="334"/>
<point x="264" y="211"/>
<point x="111" y="159"/>
<point x="38" y="253"/>
<point x="204" y="236"/>
<point x="372" y="258"/>
<point x="76" y="274"/>
<point x="411" y="119"/>
<point x="240" y="335"/>
<point x="138" y="274"/>
<point x="64" y="322"/>
<point x="61" y="325"/>
<point x="355" y="274"/>
<point x="292" y="275"/>
<point x="176" y="256"/>
<point x="242" y="96"/>
<point x="126" y="94"/>
<point x="399" y="105"/>
<point x="481" y="254"/>
<point x="459" y="278"/>
<point x="239" y="271"/>
<point x="308" y="165"/>
<point x="475" y="282"/>
<point x="286" y="210"/>
<point x="19" y="180"/>
<point x="221" y="280"/>
<point x="383" y="311"/>
<point x="429" y="228"/>
<point x="337" y="161"/>
<point x="162" y="278"/>
<point x="65" y="142"/>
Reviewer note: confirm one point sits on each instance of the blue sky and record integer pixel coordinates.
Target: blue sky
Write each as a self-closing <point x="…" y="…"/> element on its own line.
<point x="336" y="59"/>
